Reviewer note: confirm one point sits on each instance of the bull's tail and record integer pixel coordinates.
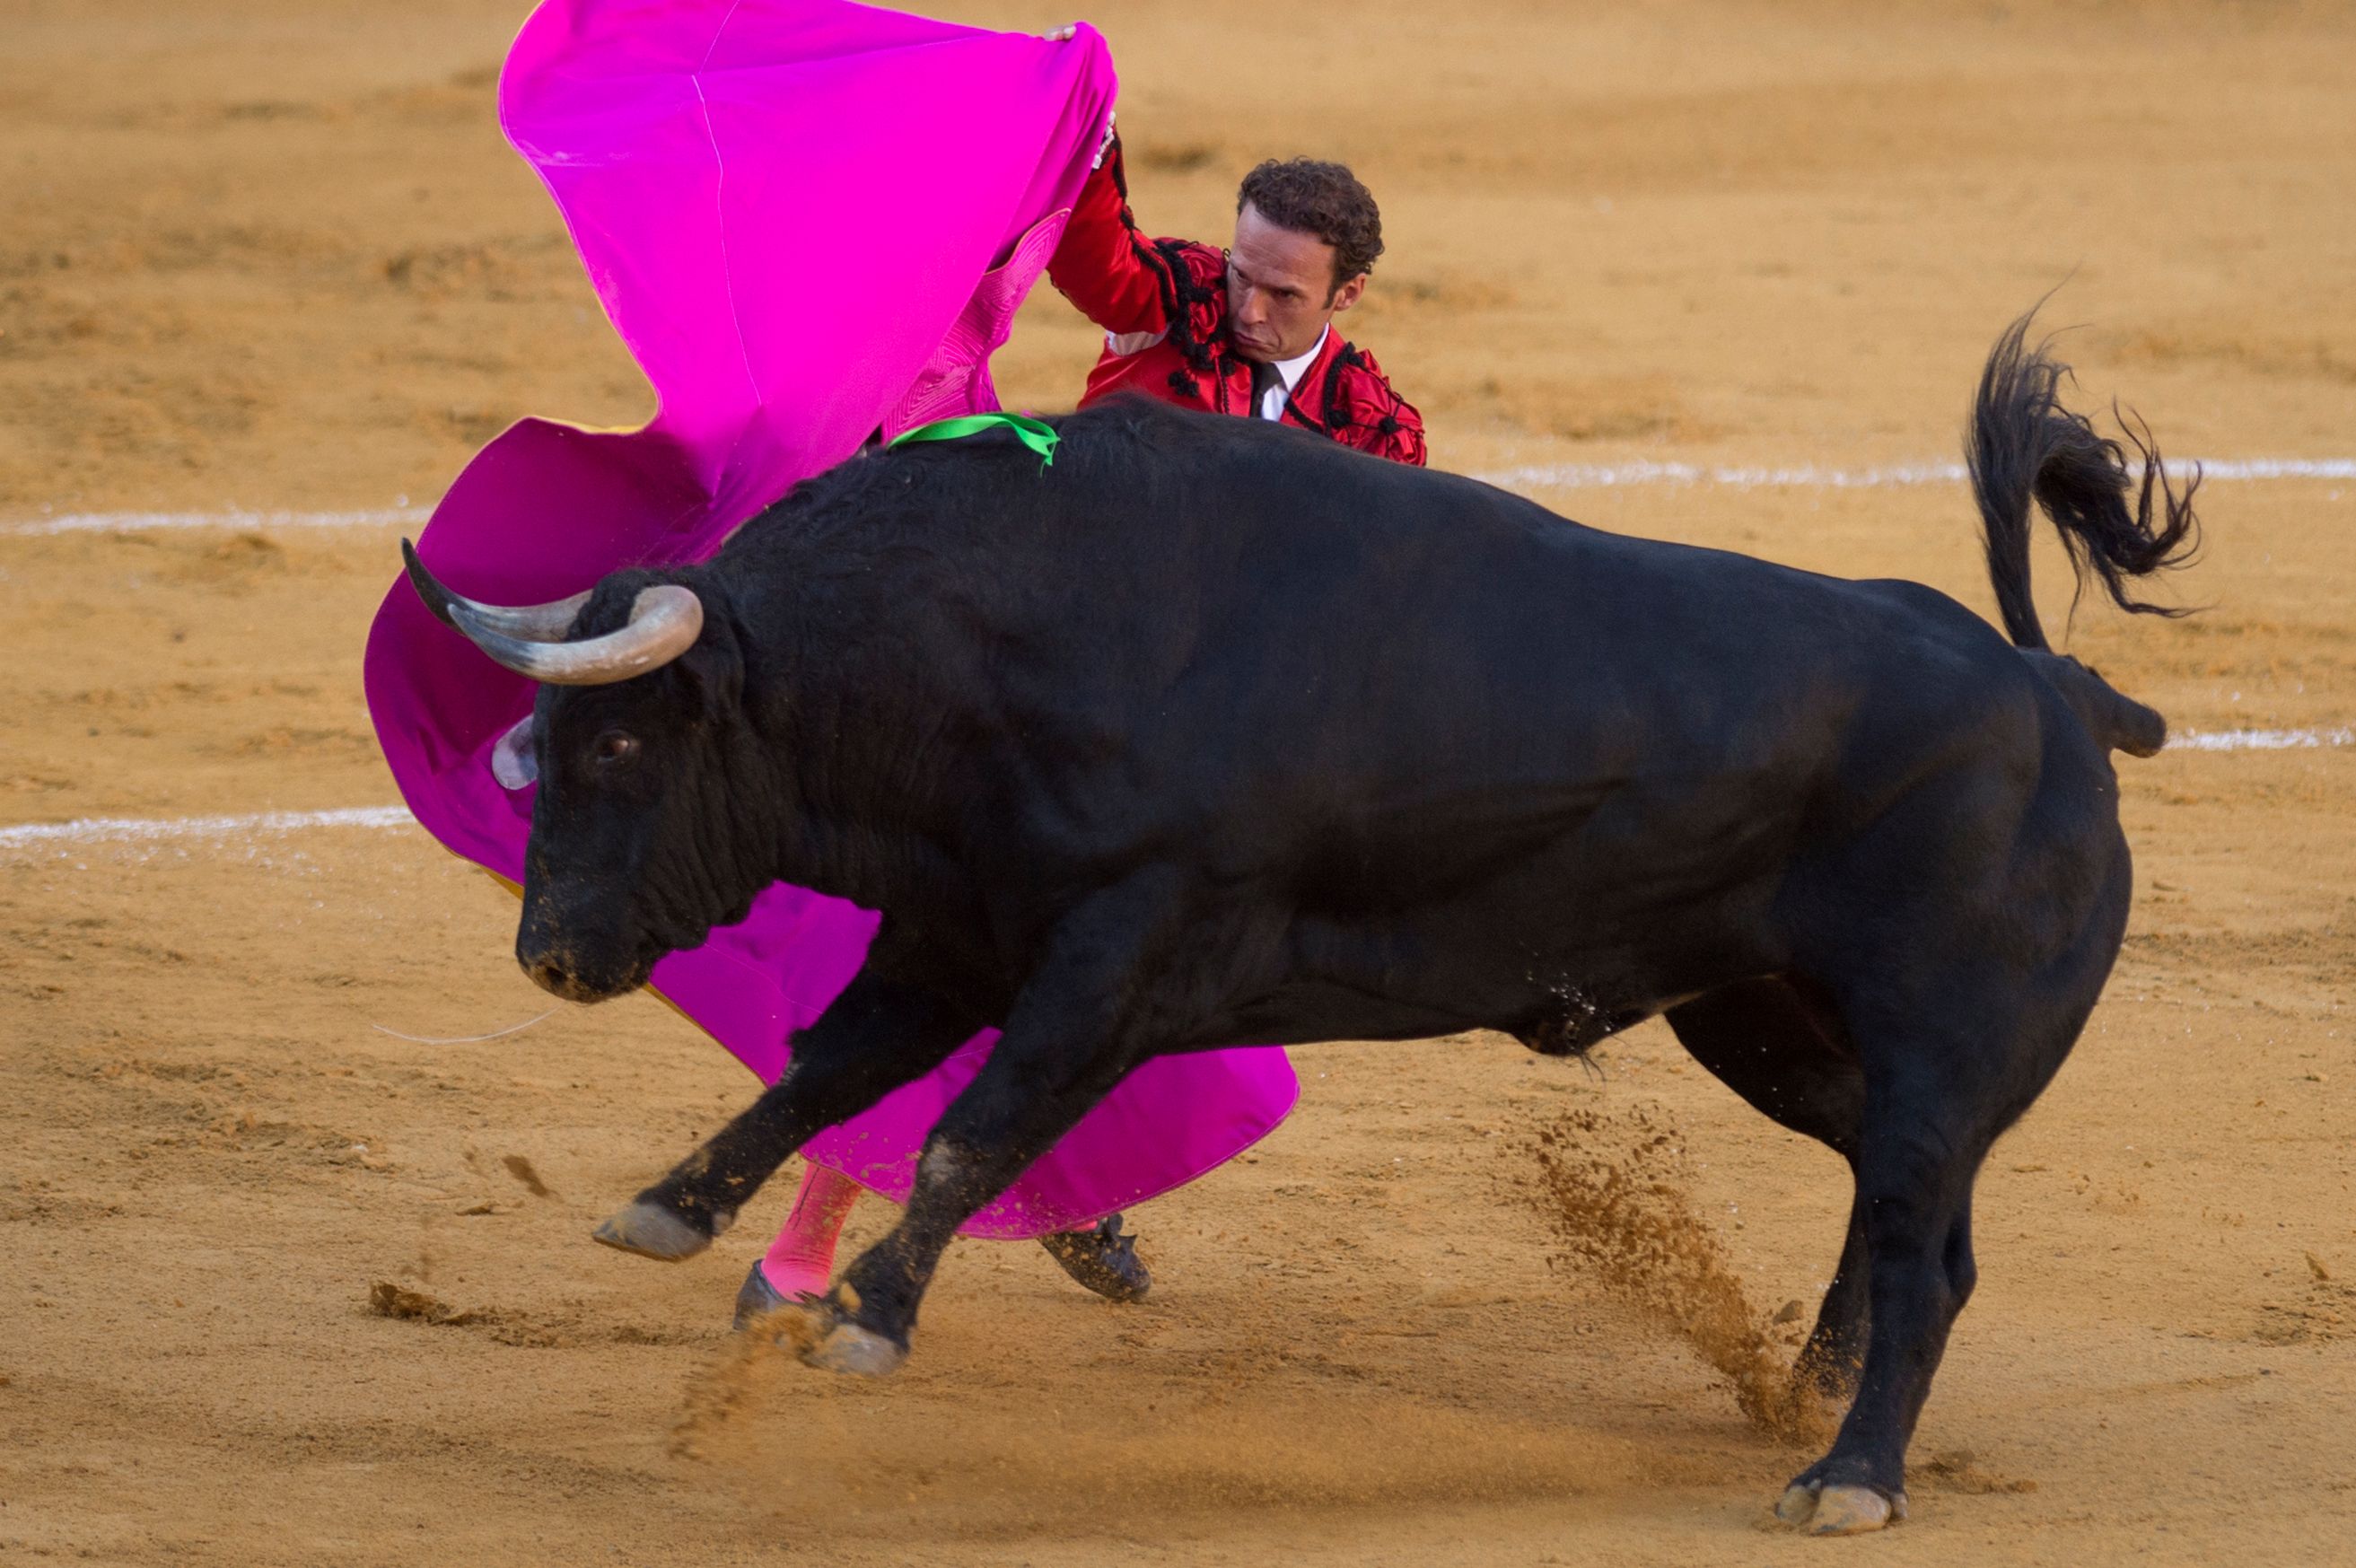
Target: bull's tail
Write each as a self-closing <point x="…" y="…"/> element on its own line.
<point x="2023" y="446"/>
<point x="2118" y="720"/>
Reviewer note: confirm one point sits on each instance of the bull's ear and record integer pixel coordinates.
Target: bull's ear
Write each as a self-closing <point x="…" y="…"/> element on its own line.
<point x="711" y="673"/>
<point x="514" y="761"/>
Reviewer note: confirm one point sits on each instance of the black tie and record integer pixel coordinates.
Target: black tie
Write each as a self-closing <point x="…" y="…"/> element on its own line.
<point x="1264" y="376"/>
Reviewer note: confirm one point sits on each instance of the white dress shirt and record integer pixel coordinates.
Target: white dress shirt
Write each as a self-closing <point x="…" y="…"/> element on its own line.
<point x="1272" y="402"/>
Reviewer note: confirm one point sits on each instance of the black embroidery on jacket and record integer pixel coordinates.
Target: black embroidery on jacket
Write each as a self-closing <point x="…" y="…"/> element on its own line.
<point x="1181" y="296"/>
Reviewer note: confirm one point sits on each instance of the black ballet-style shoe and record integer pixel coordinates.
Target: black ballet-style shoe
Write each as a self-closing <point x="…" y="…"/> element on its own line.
<point x="756" y="1296"/>
<point x="1103" y="1259"/>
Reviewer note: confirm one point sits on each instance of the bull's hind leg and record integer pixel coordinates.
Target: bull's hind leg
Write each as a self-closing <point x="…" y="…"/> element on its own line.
<point x="1783" y="1053"/>
<point x="878" y="1034"/>
<point x="1945" y="1076"/>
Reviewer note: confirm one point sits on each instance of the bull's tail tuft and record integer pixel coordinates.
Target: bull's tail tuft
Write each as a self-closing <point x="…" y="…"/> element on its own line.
<point x="2023" y="446"/>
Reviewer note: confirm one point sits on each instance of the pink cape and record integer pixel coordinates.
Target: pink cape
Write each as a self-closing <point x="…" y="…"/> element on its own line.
<point x="807" y="219"/>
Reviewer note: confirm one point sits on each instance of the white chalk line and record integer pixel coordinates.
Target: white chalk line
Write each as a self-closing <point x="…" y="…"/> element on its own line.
<point x="1543" y="476"/>
<point x="1601" y="475"/>
<point x="2260" y="739"/>
<point x="142" y="522"/>
<point x="152" y="830"/>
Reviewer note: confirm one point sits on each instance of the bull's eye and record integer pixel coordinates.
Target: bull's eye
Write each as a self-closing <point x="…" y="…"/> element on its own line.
<point x="616" y="746"/>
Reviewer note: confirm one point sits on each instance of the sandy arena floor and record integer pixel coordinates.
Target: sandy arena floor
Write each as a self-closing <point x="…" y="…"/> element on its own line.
<point x="271" y="254"/>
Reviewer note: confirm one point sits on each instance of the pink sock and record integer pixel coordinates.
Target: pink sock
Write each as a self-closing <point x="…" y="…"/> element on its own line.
<point x="800" y="1261"/>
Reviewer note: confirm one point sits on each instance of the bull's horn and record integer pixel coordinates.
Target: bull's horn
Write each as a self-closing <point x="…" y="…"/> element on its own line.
<point x="664" y="622"/>
<point x="532" y="623"/>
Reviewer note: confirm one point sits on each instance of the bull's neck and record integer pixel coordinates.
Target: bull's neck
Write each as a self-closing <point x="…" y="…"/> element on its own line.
<point x="844" y="737"/>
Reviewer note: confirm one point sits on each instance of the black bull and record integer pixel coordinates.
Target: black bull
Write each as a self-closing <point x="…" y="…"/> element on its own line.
<point x="1214" y="731"/>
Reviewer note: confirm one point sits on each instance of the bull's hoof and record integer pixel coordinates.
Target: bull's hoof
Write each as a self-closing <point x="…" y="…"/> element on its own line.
<point x="847" y="1348"/>
<point x="820" y="1330"/>
<point x="1838" y="1510"/>
<point x="651" y="1230"/>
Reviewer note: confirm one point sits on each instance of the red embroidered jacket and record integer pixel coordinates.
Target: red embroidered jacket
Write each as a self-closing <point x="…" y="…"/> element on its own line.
<point x="1127" y="283"/>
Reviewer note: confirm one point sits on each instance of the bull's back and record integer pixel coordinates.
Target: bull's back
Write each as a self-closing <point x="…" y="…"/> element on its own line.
<point x="1196" y="625"/>
<point x="1405" y="634"/>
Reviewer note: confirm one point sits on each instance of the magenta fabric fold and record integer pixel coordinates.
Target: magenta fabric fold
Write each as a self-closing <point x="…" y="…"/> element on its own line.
<point x="807" y="219"/>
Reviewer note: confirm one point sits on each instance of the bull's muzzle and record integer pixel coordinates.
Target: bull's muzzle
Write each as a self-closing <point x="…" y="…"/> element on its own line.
<point x="551" y="976"/>
<point x="574" y="971"/>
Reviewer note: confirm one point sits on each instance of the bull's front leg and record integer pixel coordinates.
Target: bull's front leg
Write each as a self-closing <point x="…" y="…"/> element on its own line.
<point x="980" y="1145"/>
<point x="1098" y="1006"/>
<point x="878" y="1034"/>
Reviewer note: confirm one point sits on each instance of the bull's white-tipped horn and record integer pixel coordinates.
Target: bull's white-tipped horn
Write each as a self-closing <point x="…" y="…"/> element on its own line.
<point x="664" y="623"/>
<point x="533" y="623"/>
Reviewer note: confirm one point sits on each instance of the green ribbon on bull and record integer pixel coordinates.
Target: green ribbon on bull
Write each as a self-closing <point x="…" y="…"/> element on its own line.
<point x="1035" y="433"/>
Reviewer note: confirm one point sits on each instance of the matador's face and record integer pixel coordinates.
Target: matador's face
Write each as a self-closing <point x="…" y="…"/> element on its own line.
<point x="1280" y="289"/>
